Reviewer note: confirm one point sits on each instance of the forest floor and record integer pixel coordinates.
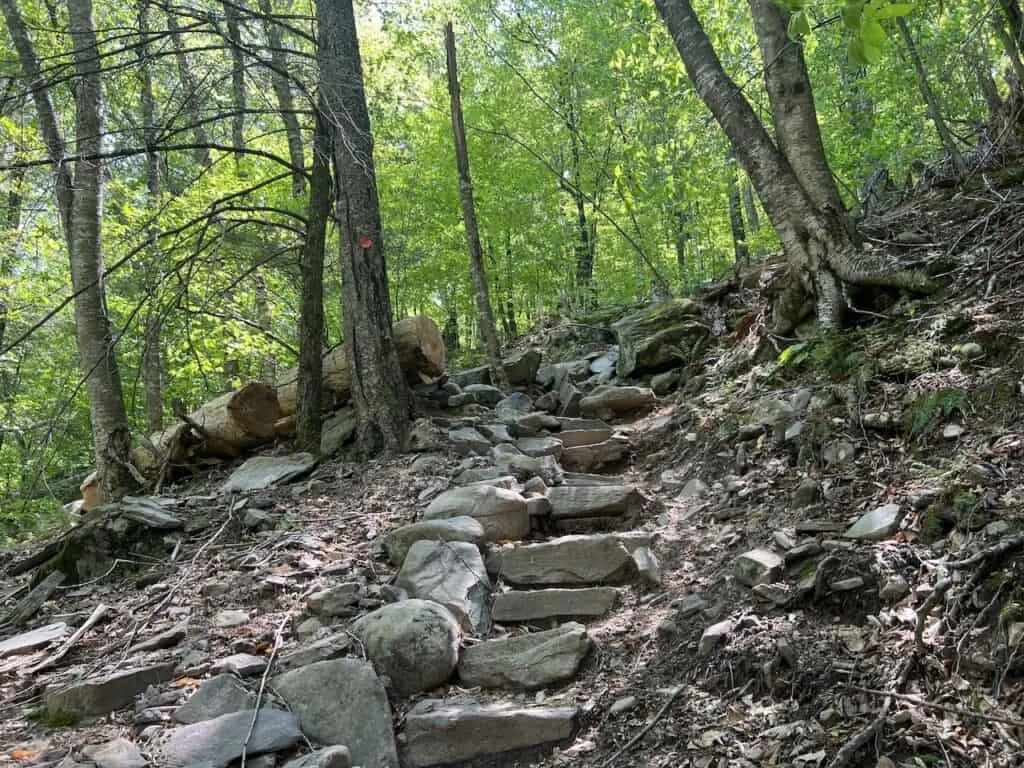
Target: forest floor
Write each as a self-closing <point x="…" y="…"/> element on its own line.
<point x="920" y="405"/>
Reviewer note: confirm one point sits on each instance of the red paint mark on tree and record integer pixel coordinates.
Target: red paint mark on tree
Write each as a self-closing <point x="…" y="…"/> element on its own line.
<point x="365" y="243"/>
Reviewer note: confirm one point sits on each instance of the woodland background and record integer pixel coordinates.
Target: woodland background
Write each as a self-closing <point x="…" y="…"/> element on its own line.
<point x="600" y="179"/>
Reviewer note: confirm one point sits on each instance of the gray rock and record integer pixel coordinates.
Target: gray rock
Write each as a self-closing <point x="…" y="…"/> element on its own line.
<point x="566" y="561"/>
<point x="527" y="661"/>
<point x="771" y="412"/>
<point x="342" y="702"/>
<point x="595" y="501"/>
<point x="848" y="584"/>
<point x="590" y="458"/>
<point x="451" y="573"/>
<point x="800" y="399"/>
<point x="880" y="523"/>
<point x="231" y="617"/>
<point x="428" y="464"/>
<point x="219" y="741"/>
<point x="690" y="605"/>
<point x="261" y="472"/>
<point x="694" y="489"/>
<point x="894" y="589"/>
<point x="339" y="600"/>
<point x="425" y="435"/>
<point x="663" y="383"/>
<point x="98" y="697"/>
<point x="218" y="696"/>
<point x="569" y="399"/>
<point x="547" y="402"/>
<point x="616" y="400"/>
<point x="552" y="376"/>
<point x="33" y="640"/>
<point x="538" y="604"/>
<point x="807" y="493"/>
<point x="502" y="513"/>
<point x="971" y="350"/>
<point x="338" y="429"/>
<point x="414" y="642"/>
<point x="647" y="565"/>
<point x="460" y="528"/>
<point x="571" y="438"/>
<point x="838" y="452"/>
<point x="624" y="704"/>
<point x="241" y="664"/>
<point x="484" y="394"/>
<point x="477" y="475"/>
<point x="327" y="649"/>
<point x="510" y="408"/>
<point x="166" y="639"/>
<point x="583" y="478"/>
<point x="758" y="566"/>
<point x="522" y="370"/>
<point x="605" y="363"/>
<point x="511" y="460"/>
<point x="467" y="440"/>
<point x="479" y="375"/>
<point x="331" y="757"/>
<point x="496" y="433"/>
<point x="539" y="446"/>
<point x="119" y="753"/>
<point x="438" y="732"/>
<point x="308" y="628"/>
<point x="714" y="636"/>
<point x="530" y="424"/>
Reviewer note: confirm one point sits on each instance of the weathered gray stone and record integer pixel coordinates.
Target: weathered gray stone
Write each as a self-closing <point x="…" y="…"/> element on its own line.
<point x="439" y="732"/>
<point x="331" y="757"/>
<point x="261" y="472"/>
<point x="467" y="440"/>
<point x="484" y="394"/>
<point x="894" y="589"/>
<point x="758" y="566"/>
<point x="425" y="435"/>
<point x="552" y="376"/>
<point x="616" y="400"/>
<point x="327" y="649"/>
<point x="230" y="617"/>
<point x="241" y="664"/>
<point x="539" y="446"/>
<point x="838" y="452"/>
<point x="522" y="369"/>
<point x="477" y="475"/>
<point x="502" y="513"/>
<point x="479" y="375"/>
<point x="460" y="528"/>
<point x="663" y="383"/>
<point x="220" y="695"/>
<point x="428" y="464"/>
<point x="219" y="741"/>
<point x="338" y="429"/>
<point x="510" y="408"/>
<point x="30" y="641"/>
<point x="568" y="560"/>
<point x="414" y="642"/>
<point x="583" y="478"/>
<point x="451" y="573"/>
<point x="663" y="334"/>
<point x="342" y="702"/>
<point x="647" y="565"/>
<point x="98" y="697"/>
<point x="537" y="604"/>
<point x="527" y="661"/>
<point x="590" y="458"/>
<point x="496" y="433"/>
<point x="569" y="399"/>
<point x="119" y="753"/>
<point x="714" y="636"/>
<point x="595" y="501"/>
<point x="339" y="600"/>
<point x="513" y="461"/>
<point x="880" y="523"/>
<point x="770" y="412"/>
<point x="572" y="438"/>
<point x="530" y="424"/>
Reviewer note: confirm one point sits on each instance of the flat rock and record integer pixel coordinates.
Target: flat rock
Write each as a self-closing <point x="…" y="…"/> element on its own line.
<point x="342" y="702"/>
<point x="511" y="460"/>
<point x="502" y="513"/>
<point x="327" y="649"/>
<point x="459" y="528"/>
<point x="592" y="457"/>
<point x="584" y="478"/>
<point x="426" y="436"/>
<point x="231" y="617"/>
<point x="119" y="753"/>
<point x="617" y="400"/>
<point x="540" y="446"/>
<point x="467" y="440"/>
<point x="484" y="394"/>
<point x="510" y="408"/>
<point x="572" y="438"/>
<point x="106" y="694"/>
<point x="758" y="566"/>
<point x="568" y="560"/>
<point x="339" y="600"/>
<point x="477" y="475"/>
<point x="414" y="642"/>
<point x="496" y="433"/>
<point x="527" y="661"/>
<point x="241" y="664"/>
<point x="479" y="375"/>
<point x="665" y="382"/>
<point x="338" y="429"/>
<point x="522" y="369"/>
<point x="880" y="523"/>
<point x="438" y="732"/>
<point x="220" y="695"/>
<point x="537" y="604"/>
<point x="261" y="472"/>
<point x="451" y="573"/>
<point x="166" y="639"/>
<point x="331" y="757"/>
<point x="428" y="464"/>
<point x="33" y="640"/>
<point x="595" y="501"/>
<point x="219" y="741"/>
<point x="714" y="636"/>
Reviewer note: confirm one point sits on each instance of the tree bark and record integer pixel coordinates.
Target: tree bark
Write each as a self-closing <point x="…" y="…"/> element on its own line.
<point x="741" y="252"/>
<point x="476" y="257"/>
<point x="311" y="317"/>
<point x="792" y="106"/>
<point x="192" y="102"/>
<point x="379" y="391"/>
<point x="285" y="102"/>
<point x="931" y="102"/>
<point x="233" y="23"/>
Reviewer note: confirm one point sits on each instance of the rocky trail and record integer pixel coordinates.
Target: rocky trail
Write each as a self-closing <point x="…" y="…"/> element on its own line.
<point x="706" y="549"/>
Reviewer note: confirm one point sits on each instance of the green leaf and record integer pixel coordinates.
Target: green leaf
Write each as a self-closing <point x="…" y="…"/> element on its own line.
<point x="873" y="35"/>
<point x="851" y="13"/>
<point x="892" y="11"/>
<point x="872" y="53"/>
<point x="798" y="26"/>
<point x="855" y="52"/>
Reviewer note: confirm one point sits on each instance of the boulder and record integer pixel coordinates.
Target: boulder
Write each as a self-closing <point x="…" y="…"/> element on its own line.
<point x="511" y="460"/>
<point x="539" y="446"/>
<point x="502" y="513"/>
<point x="664" y="335"/>
<point x="510" y="408"/>
<point x="467" y="441"/>
<point x="527" y="661"/>
<point x="414" y="642"/>
<point x="594" y="456"/>
<point x="616" y="400"/>
<point x="595" y="501"/>
<point x="342" y="702"/>
<point x="219" y="741"/>
<point x="337" y="429"/>
<point x="522" y="369"/>
<point x="479" y="375"/>
<point x="451" y="573"/>
<point x="105" y="694"/>
<point x="220" y="695"/>
<point x="459" y="528"/>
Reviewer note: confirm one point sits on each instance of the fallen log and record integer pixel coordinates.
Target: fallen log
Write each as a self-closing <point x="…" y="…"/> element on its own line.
<point x="420" y="351"/>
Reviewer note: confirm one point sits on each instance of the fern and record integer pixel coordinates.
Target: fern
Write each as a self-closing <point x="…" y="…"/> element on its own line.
<point x="926" y="410"/>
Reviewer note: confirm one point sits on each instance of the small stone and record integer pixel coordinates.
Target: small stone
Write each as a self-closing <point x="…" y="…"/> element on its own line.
<point x="828" y="716"/>
<point x="220" y="695"/>
<point x="758" y="566"/>
<point x="242" y="664"/>
<point x="335" y="601"/>
<point x="694" y="488"/>
<point x="997" y="528"/>
<point x="778" y="594"/>
<point x="647" y="566"/>
<point x="807" y="493"/>
<point x="894" y="589"/>
<point x="119" y="753"/>
<point x="622" y="705"/>
<point x="952" y="431"/>
<point x="713" y="637"/>
<point x="783" y="540"/>
<point x="308" y="628"/>
<point x="800" y="399"/>
<point x="847" y="585"/>
<point x="838" y="452"/>
<point x="230" y="618"/>
<point x="690" y="605"/>
<point x="802" y="551"/>
<point x="878" y="524"/>
<point x="971" y="350"/>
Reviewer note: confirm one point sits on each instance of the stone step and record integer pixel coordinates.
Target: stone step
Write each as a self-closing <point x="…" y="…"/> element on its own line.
<point x="536" y="604"/>
<point x="528" y="661"/>
<point x="564" y="561"/>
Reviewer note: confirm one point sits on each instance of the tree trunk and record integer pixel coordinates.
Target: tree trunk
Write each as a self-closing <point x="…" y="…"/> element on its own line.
<point x="237" y="82"/>
<point x="261" y="308"/>
<point x="311" y="318"/>
<point x="741" y="253"/>
<point x="285" y="102"/>
<point x="752" y="216"/>
<point x="191" y="100"/>
<point x="792" y="106"/>
<point x="379" y="391"/>
<point x="476" y="258"/>
<point x="680" y="241"/>
<point x="111" y="437"/>
<point x="817" y="242"/>
<point x="1011" y="49"/>
<point x="932" y="103"/>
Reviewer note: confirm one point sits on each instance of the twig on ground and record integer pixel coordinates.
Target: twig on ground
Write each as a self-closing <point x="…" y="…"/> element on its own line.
<point x="962" y="711"/>
<point x="278" y="640"/>
<point x="94" y="617"/>
<point x="673" y="695"/>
